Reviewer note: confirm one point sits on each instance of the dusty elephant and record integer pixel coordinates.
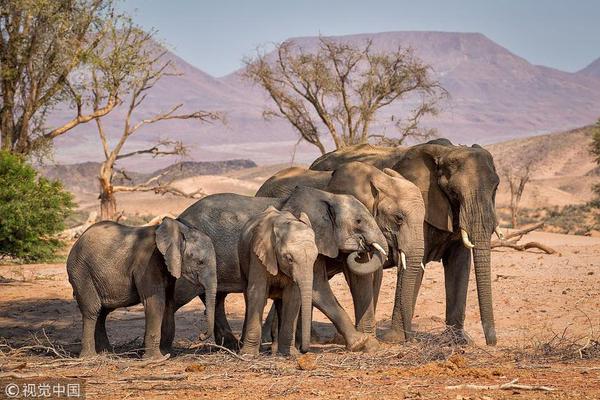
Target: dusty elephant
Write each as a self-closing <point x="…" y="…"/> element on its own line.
<point x="458" y="184"/>
<point x="113" y="265"/>
<point x="277" y="252"/>
<point x="398" y="209"/>
<point x="342" y="225"/>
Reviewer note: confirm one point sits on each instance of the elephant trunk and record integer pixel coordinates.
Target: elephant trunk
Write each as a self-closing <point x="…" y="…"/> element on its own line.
<point x="365" y="263"/>
<point x="477" y="218"/>
<point x="306" y="287"/>
<point x="210" y="294"/>
<point x="406" y="281"/>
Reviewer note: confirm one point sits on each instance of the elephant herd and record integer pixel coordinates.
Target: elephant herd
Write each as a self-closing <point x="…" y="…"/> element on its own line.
<point x="356" y="210"/>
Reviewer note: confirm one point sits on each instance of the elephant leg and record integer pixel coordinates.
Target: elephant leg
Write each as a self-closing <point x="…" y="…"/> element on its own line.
<point x="88" y="341"/>
<point x="377" y="279"/>
<point x="325" y="301"/>
<point x="167" y="331"/>
<point x="269" y="326"/>
<point x="361" y="288"/>
<point x="255" y="305"/>
<point x="290" y="308"/>
<point x="223" y="332"/>
<point x="457" y="267"/>
<point x="101" y="338"/>
<point x="154" y="309"/>
<point x="276" y="326"/>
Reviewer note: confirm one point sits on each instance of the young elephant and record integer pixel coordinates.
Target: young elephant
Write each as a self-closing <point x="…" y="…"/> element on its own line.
<point x="277" y="252"/>
<point x="113" y="265"/>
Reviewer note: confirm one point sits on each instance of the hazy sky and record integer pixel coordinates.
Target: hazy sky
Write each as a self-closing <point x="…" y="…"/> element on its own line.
<point x="215" y="35"/>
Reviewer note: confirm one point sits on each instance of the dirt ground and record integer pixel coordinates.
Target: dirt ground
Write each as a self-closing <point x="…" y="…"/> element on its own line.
<point x="547" y="310"/>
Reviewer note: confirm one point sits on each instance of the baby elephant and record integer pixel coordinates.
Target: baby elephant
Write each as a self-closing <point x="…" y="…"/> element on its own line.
<point x="113" y="265"/>
<point x="277" y="252"/>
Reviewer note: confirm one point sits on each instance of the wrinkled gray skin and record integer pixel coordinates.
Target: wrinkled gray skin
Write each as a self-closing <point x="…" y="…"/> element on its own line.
<point x="398" y="208"/>
<point x="342" y="226"/>
<point x="113" y="265"/>
<point x="458" y="185"/>
<point x="277" y="252"/>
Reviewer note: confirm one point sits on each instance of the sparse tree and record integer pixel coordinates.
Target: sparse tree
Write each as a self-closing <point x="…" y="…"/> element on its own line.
<point x="46" y="47"/>
<point x="150" y="66"/>
<point x="338" y="89"/>
<point x="517" y="178"/>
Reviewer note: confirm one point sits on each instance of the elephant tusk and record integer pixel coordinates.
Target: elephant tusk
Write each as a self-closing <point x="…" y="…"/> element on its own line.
<point x="465" y="239"/>
<point x="403" y="259"/>
<point x="422" y="266"/>
<point x="499" y="233"/>
<point x="379" y="249"/>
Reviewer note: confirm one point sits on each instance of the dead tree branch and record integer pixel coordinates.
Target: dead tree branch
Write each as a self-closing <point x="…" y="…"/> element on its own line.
<point x="511" y="240"/>
<point x="512" y="385"/>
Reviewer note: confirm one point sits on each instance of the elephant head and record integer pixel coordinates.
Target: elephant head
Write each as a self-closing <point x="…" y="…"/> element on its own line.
<point x="189" y="254"/>
<point x="458" y="185"/>
<point x="341" y="223"/>
<point x="286" y="244"/>
<point x="398" y="208"/>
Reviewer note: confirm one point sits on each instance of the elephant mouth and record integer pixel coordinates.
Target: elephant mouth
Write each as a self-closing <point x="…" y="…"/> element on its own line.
<point x="352" y="244"/>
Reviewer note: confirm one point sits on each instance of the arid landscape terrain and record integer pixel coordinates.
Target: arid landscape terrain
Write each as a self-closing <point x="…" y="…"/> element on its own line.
<point x="546" y="309"/>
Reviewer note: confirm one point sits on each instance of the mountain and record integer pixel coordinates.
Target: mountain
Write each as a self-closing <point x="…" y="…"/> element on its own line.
<point x="592" y="70"/>
<point x="495" y="95"/>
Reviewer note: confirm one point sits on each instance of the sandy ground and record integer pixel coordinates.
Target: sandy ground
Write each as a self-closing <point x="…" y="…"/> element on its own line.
<point x="543" y="303"/>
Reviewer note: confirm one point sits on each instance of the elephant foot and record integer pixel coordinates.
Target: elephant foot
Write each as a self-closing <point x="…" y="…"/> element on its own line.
<point x="454" y="336"/>
<point x="365" y="343"/>
<point x="228" y="340"/>
<point x="289" y="351"/>
<point x="337" y="339"/>
<point x="155" y="355"/>
<point x="394" y="336"/>
<point x="251" y="351"/>
<point x="87" y="354"/>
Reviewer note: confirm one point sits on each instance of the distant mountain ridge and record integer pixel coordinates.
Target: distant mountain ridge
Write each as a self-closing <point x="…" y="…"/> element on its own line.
<point x="495" y="95"/>
<point x="593" y="69"/>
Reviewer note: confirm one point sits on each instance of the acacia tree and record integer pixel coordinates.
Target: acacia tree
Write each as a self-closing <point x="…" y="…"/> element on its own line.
<point x="517" y="179"/>
<point x="148" y="67"/>
<point x="44" y="46"/>
<point x="338" y="89"/>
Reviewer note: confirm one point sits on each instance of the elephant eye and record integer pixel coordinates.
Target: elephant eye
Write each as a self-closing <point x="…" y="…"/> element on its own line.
<point x="289" y="258"/>
<point x="358" y="221"/>
<point x="399" y="219"/>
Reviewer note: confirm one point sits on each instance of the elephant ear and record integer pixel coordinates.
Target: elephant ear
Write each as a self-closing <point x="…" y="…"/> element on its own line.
<point x="263" y="242"/>
<point x="392" y="173"/>
<point x="304" y="219"/>
<point x="170" y="242"/>
<point x="419" y="166"/>
<point x="324" y="228"/>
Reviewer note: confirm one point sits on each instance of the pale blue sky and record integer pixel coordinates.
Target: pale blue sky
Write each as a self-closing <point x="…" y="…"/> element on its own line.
<point x="215" y="35"/>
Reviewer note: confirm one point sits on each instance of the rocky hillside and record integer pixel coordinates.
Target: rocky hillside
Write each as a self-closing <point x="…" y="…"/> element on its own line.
<point x="81" y="178"/>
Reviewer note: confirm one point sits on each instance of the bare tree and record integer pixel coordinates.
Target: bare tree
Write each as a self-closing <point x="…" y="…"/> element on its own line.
<point x="150" y="67"/>
<point x="45" y="48"/>
<point x="517" y="178"/>
<point x="338" y="89"/>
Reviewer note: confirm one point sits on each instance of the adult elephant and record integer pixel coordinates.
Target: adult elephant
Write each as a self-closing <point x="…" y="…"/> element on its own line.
<point x="397" y="206"/>
<point x="342" y="225"/>
<point x="458" y="184"/>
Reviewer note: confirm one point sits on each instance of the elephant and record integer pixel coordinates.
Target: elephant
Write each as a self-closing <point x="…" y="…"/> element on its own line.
<point x="113" y="265"/>
<point x="277" y="252"/>
<point x="458" y="184"/>
<point x="399" y="211"/>
<point x="343" y="228"/>
<point x="378" y="156"/>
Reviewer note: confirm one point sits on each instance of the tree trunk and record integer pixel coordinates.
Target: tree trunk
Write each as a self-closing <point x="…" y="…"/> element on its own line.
<point x="108" y="205"/>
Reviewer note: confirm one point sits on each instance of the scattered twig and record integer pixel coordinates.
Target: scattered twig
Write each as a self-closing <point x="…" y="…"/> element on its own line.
<point x="512" y="385"/>
<point x="511" y="240"/>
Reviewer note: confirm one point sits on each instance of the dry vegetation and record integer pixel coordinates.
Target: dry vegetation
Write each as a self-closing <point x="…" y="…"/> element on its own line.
<point x="547" y="321"/>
